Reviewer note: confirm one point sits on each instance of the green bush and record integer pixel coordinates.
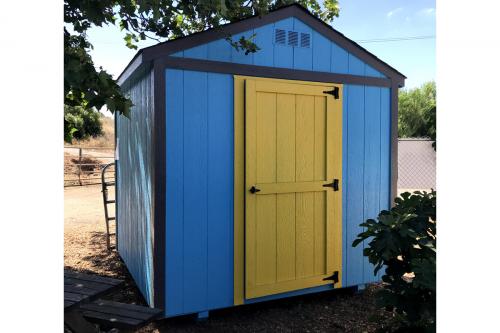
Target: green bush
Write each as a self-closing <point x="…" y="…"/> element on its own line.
<point x="403" y="241"/>
<point x="81" y="123"/>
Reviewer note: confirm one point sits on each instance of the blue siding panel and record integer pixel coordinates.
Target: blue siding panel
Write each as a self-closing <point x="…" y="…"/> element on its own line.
<point x="195" y="191"/>
<point x="385" y="153"/>
<point x="356" y="66"/>
<point x="321" y="48"/>
<point x="302" y="56"/>
<point x="264" y="37"/>
<point x="239" y="56"/>
<point x="220" y="204"/>
<point x="339" y="59"/>
<point x="355" y="183"/>
<point x="345" y="189"/>
<point x="219" y="50"/>
<point x="134" y="177"/>
<point x="371" y="166"/>
<point x="197" y="52"/>
<point x="370" y="71"/>
<point x="174" y="265"/>
<point x="283" y="54"/>
<point x="199" y="125"/>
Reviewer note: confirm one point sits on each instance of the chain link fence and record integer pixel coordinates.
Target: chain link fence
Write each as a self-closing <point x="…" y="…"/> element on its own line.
<point x="416" y="165"/>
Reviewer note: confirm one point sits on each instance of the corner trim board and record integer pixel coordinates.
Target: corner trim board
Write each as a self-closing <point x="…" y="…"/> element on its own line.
<point x="159" y="186"/>
<point x="270" y="72"/>
<point x="394" y="142"/>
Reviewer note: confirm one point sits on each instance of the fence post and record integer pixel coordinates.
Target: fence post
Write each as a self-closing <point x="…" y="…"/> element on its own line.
<point x="79" y="165"/>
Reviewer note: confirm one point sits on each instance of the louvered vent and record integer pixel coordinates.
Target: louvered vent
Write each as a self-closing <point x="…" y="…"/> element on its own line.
<point x="293" y="38"/>
<point x="280" y="36"/>
<point x="305" y="40"/>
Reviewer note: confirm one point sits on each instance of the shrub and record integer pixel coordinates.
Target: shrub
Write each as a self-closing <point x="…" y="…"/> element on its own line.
<point x="81" y="123"/>
<point x="403" y="241"/>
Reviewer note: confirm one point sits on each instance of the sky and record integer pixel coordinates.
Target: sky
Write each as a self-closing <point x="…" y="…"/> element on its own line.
<point x="359" y="20"/>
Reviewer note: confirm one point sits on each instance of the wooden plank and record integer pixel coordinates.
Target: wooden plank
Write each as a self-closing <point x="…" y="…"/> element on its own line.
<point x="285" y="204"/>
<point x="302" y="56"/>
<point x="292" y="88"/>
<point x="283" y="54"/>
<point x="264" y="37"/>
<point x="87" y="284"/>
<point x="304" y="137"/>
<point x="74" y="297"/>
<point x="125" y="306"/>
<point x="285" y="237"/>
<point x="75" y="289"/>
<point x="320" y="152"/>
<point x="355" y="160"/>
<point x="285" y="138"/>
<point x="239" y="56"/>
<point x="174" y="242"/>
<point x="304" y="217"/>
<point x="292" y="187"/>
<point x="371" y="193"/>
<point x="356" y="66"/>
<point x="321" y="49"/>
<point x="250" y="180"/>
<point x="266" y="137"/>
<point x="92" y="278"/>
<point x="239" y="190"/>
<point x="195" y="191"/>
<point x="115" y="320"/>
<point x="133" y="311"/>
<point x="220" y="193"/>
<point x="335" y="229"/>
<point x="385" y="154"/>
<point x="340" y="60"/>
<point x="219" y="50"/>
<point x="265" y="232"/>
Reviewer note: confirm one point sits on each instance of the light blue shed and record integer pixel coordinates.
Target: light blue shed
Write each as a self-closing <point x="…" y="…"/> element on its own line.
<point x="243" y="178"/>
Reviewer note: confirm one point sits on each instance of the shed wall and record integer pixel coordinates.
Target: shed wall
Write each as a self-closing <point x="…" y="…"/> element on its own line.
<point x="199" y="198"/>
<point x="323" y="55"/>
<point x="134" y="172"/>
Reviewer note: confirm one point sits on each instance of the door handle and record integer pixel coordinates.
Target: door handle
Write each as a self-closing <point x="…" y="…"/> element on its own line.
<point x="254" y="190"/>
<point x="334" y="185"/>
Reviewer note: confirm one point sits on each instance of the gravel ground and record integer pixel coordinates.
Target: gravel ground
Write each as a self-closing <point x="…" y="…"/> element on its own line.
<point x="335" y="311"/>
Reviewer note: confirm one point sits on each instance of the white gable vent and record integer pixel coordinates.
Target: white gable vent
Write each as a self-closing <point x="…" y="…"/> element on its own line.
<point x="293" y="38"/>
<point x="280" y="36"/>
<point x="305" y="40"/>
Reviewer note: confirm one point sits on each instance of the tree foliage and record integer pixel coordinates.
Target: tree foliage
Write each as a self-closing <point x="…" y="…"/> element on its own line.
<point x="157" y="19"/>
<point x="403" y="241"/>
<point x="81" y="123"/>
<point x="417" y="112"/>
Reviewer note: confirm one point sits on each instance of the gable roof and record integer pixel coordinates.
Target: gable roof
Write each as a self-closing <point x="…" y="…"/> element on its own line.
<point x="163" y="49"/>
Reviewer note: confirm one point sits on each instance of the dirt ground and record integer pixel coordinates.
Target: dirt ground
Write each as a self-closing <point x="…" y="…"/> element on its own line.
<point x="336" y="311"/>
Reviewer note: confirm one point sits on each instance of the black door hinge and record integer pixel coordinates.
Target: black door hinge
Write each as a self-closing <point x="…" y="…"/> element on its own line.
<point x="334" y="92"/>
<point x="335" y="185"/>
<point x="334" y="277"/>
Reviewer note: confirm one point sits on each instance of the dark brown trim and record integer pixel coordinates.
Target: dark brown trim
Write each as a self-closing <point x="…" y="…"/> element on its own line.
<point x="210" y="35"/>
<point x="158" y="184"/>
<point x="394" y="141"/>
<point x="271" y="72"/>
<point x="169" y="47"/>
<point x="347" y="44"/>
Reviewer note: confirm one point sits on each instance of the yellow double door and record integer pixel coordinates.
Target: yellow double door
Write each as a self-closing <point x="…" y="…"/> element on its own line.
<point x="293" y="198"/>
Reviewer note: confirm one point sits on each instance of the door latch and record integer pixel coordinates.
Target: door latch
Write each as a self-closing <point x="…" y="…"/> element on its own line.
<point x="335" y="185"/>
<point x="334" y="92"/>
<point x="254" y="190"/>
<point x="334" y="277"/>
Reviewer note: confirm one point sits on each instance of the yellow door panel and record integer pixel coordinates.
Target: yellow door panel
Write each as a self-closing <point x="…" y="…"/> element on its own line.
<point x="293" y="152"/>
